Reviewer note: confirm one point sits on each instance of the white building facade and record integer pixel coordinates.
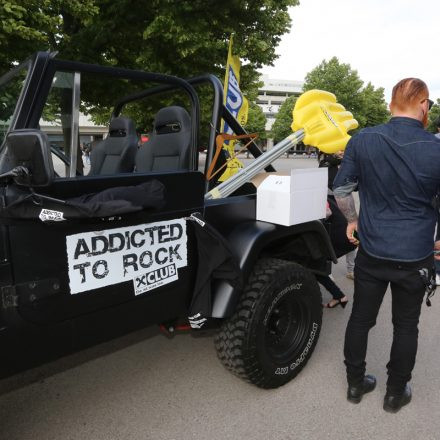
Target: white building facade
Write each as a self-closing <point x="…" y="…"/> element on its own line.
<point x="272" y="95"/>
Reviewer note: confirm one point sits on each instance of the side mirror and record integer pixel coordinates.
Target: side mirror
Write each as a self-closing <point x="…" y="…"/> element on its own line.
<point x="28" y="151"/>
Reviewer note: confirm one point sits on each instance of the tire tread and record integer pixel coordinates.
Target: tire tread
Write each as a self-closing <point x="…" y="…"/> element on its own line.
<point x="231" y="340"/>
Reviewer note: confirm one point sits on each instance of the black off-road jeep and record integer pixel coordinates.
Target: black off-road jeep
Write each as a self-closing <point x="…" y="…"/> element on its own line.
<point x="94" y="246"/>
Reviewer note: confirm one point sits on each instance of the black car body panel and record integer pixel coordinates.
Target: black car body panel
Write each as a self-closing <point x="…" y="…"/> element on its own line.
<point x="40" y="315"/>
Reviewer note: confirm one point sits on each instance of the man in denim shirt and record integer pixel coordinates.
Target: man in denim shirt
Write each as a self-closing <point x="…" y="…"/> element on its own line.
<point x="396" y="168"/>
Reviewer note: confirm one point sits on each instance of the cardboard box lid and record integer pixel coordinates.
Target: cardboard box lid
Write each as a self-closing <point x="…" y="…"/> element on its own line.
<point x="301" y="178"/>
<point x="258" y="179"/>
<point x="274" y="183"/>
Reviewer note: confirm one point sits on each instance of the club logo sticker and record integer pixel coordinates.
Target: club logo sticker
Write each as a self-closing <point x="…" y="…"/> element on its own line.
<point x="155" y="278"/>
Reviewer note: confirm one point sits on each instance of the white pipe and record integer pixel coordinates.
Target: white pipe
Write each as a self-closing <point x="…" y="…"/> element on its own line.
<point x="260" y="163"/>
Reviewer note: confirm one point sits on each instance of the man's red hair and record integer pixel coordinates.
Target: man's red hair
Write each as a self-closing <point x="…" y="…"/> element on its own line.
<point x="407" y="93"/>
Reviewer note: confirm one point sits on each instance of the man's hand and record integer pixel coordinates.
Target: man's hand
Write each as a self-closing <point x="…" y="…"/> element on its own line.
<point x="346" y="205"/>
<point x="437" y="248"/>
<point x="351" y="227"/>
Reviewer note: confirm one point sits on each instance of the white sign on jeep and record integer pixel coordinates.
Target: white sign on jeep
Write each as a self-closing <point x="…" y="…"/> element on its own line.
<point x="147" y="254"/>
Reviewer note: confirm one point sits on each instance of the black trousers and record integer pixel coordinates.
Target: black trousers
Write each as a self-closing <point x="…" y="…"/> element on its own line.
<point x="330" y="285"/>
<point x="372" y="277"/>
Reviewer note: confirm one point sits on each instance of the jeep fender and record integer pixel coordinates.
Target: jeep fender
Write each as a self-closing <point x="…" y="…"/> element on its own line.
<point x="248" y="240"/>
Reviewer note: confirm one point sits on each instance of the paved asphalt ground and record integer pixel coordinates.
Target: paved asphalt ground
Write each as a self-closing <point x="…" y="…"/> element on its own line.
<point x="144" y="386"/>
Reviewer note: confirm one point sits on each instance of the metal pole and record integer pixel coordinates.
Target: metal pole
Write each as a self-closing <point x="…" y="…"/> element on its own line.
<point x="245" y="174"/>
<point x="74" y="133"/>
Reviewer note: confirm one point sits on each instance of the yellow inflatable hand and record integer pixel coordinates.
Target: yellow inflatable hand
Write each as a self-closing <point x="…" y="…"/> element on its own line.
<point x="324" y="121"/>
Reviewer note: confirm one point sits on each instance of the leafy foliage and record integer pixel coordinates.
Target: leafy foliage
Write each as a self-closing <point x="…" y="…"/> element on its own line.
<point x="366" y="103"/>
<point x="9" y="94"/>
<point x="374" y="109"/>
<point x="256" y="122"/>
<point x="30" y="25"/>
<point x="281" y="127"/>
<point x="434" y="116"/>
<point x="183" y="38"/>
<point x="179" y="37"/>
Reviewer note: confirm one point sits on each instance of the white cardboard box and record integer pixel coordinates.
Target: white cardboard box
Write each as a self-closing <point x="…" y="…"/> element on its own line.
<point x="290" y="200"/>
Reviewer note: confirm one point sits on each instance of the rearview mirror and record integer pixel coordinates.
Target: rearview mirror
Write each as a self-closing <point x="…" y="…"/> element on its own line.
<point x="29" y="149"/>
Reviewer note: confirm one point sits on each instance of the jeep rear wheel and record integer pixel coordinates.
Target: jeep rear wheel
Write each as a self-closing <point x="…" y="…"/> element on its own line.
<point x="275" y="327"/>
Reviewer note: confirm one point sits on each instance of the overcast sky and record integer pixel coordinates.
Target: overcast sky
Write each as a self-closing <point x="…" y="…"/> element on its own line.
<point x="384" y="40"/>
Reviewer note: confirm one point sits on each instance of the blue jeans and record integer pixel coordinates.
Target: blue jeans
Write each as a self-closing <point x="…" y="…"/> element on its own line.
<point x="349" y="259"/>
<point x="372" y="277"/>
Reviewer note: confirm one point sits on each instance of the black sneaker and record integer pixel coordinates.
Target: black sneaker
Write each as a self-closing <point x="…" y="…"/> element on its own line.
<point x="355" y="392"/>
<point x="393" y="402"/>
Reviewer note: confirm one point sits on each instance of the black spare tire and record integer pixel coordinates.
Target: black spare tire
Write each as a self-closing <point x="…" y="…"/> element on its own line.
<point x="275" y="327"/>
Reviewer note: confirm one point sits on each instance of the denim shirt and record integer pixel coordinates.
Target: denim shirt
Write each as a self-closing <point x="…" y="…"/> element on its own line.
<point x="396" y="167"/>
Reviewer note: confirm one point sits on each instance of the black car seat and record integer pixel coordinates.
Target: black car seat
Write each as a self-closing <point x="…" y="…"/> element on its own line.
<point x="117" y="152"/>
<point x="169" y="146"/>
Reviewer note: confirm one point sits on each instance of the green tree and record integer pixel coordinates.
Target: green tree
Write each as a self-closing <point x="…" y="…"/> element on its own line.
<point x="256" y="122"/>
<point x="434" y="116"/>
<point x="180" y="37"/>
<point x="30" y="25"/>
<point x="366" y="103"/>
<point x="281" y="127"/>
<point x="375" y="109"/>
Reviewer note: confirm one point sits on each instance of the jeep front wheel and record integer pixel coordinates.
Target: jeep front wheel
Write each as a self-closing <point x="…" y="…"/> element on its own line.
<point x="275" y="327"/>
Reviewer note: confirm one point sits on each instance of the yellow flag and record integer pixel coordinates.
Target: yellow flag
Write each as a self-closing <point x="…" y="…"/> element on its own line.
<point x="237" y="104"/>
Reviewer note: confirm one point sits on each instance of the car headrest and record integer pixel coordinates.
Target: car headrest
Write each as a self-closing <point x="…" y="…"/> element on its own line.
<point x="120" y="127"/>
<point x="171" y="120"/>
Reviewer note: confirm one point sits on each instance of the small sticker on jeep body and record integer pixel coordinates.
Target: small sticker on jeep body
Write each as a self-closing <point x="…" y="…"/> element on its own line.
<point x="49" y="215"/>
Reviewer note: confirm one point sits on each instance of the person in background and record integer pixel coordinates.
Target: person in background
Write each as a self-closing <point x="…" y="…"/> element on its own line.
<point x="337" y="224"/>
<point x="350" y="261"/>
<point x="332" y="162"/>
<point x="437" y="262"/>
<point x="396" y="168"/>
<point x="339" y="299"/>
<point x="85" y="148"/>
